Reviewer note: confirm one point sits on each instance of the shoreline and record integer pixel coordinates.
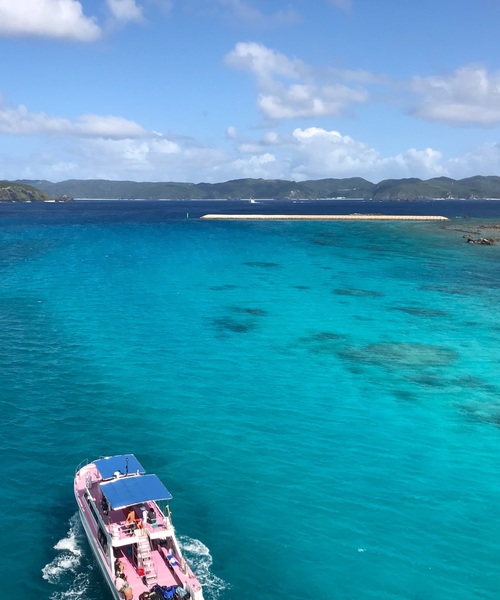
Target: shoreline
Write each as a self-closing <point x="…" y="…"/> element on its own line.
<point x="353" y="217"/>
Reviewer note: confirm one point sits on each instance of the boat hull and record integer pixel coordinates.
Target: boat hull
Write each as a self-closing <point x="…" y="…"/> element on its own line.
<point x="96" y="553"/>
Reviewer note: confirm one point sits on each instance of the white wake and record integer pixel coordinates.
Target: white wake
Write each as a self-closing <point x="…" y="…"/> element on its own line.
<point x="64" y="570"/>
<point x="200" y="560"/>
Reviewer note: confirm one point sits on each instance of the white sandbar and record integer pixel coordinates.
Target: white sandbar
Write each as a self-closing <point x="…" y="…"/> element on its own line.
<point x="354" y="217"/>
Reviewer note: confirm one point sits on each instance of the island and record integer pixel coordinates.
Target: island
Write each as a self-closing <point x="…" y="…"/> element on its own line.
<point x="22" y="192"/>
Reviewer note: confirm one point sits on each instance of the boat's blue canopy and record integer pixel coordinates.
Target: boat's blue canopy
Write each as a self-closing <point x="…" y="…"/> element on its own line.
<point x="129" y="491"/>
<point x="124" y="464"/>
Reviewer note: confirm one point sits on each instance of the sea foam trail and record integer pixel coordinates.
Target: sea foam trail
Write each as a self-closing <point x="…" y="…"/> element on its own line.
<point x="69" y="553"/>
<point x="199" y="558"/>
<point x="63" y="570"/>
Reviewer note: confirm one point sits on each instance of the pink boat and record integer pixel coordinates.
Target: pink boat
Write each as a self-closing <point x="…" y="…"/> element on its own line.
<point x="127" y="520"/>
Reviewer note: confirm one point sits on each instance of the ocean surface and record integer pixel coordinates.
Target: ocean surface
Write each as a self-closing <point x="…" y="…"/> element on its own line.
<point x="322" y="399"/>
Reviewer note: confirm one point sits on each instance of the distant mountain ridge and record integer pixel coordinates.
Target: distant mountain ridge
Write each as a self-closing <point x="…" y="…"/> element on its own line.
<point x="477" y="187"/>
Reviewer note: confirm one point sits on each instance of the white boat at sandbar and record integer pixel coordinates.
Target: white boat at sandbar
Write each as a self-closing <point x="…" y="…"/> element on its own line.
<point x="129" y="528"/>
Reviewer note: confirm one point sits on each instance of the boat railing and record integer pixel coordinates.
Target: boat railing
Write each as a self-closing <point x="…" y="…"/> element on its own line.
<point x="82" y="464"/>
<point x="120" y="530"/>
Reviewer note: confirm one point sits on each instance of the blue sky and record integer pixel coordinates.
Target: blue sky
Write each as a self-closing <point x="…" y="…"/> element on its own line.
<point x="213" y="90"/>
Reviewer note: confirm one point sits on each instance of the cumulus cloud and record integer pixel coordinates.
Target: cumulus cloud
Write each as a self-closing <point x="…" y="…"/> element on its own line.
<point x="112" y="147"/>
<point x="322" y="153"/>
<point x="304" y="153"/>
<point x="47" y="18"/>
<point x="106" y="127"/>
<point x="289" y="89"/>
<point x="316" y="153"/>
<point x="469" y="97"/>
<point x="319" y="153"/>
<point x="20" y="121"/>
<point x="301" y="100"/>
<point x="125" y="10"/>
<point x="266" y="64"/>
<point x="152" y="159"/>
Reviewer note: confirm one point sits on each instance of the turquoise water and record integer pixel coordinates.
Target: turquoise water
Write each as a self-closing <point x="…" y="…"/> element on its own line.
<point x="321" y="398"/>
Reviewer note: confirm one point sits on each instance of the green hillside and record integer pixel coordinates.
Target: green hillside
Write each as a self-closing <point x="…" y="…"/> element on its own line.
<point x="353" y="187"/>
<point x="20" y="192"/>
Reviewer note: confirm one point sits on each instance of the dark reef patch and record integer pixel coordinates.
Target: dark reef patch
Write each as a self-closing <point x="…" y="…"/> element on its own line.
<point x="479" y="412"/>
<point x="405" y="395"/>
<point x="355" y="370"/>
<point x="468" y="382"/>
<point x="256" y="312"/>
<point x="225" y="324"/>
<point x="224" y="287"/>
<point x="442" y="289"/>
<point x="323" y="342"/>
<point x="430" y="380"/>
<point x="472" y="324"/>
<point x="263" y="264"/>
<point x="418" y="311"/>
<point x="357" y="293"/>
<point x="400" y="355"/>
<point x="323" y="336"/>
<point x="476" y="383"/>
<point x="326" y="239"/>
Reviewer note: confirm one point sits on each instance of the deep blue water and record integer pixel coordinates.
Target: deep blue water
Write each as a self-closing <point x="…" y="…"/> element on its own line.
<point x="89" y="211"/>
<point x="321" y="398"/>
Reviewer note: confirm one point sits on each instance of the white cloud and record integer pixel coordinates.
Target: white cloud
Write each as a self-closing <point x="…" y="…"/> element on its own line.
<point x="309" y="94"/>
<point x="424" y="164"/>
<point x="321" y="153"/>
<point x="112" y="147"/>
<point x="316" y="153"/>
<point x="151" y="159"/>
<point x="308" y="153"/>
<point x="264" y="63"/>
<point x="469" y="96"/>
<point x="107" y="127"/>
<point x="125" y="10"/>
<point x="20" y="121"/>
<point x="301" y="100"/>
<point x="257" y="166"/>
<point x="47" y="18"/>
